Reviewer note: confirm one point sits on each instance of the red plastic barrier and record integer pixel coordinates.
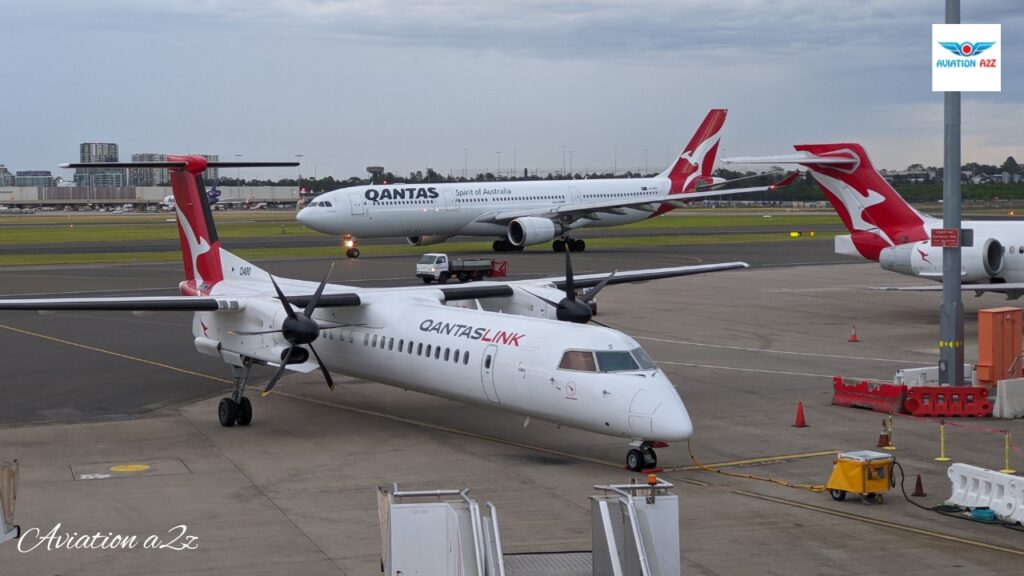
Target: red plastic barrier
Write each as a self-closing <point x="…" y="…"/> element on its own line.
<point x="948" y="401"/>
<point x="877" y="396"/>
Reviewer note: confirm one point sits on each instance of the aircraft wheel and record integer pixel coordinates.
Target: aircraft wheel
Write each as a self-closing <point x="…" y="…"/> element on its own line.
<point x="227" y="412"/>
<point x="635" y="460"/>
<point x="498" y="246"/>
<point x="579" y="245"/>
<point x="352" y="253"/>
<point x="558" y="246"/>
<point x="244" y="412"/>
<point x="518" y="248"/>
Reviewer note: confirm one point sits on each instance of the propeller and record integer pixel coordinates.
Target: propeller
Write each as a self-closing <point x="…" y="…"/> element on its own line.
<point x="572" y="309"/>
<point x="298" y="329"/>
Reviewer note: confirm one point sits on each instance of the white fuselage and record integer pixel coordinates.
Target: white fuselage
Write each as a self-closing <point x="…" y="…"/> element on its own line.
<point x="395" y="210"/>
<point x="499" y="360"/>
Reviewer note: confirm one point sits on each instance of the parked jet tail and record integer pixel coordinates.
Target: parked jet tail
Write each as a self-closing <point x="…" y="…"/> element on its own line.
<point x="200" y="247"/>
<point x="874" y="213"/>
<point x="696" y="162"/>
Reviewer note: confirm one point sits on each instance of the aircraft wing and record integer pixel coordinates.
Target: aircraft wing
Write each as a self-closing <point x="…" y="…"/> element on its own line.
<point x="1013" y="290"/>
<point x="592" y="210"/>
<point x="624" y="276"/>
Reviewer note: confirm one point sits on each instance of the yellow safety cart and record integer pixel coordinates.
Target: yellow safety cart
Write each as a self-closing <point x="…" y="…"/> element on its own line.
<point x="864" y="472"/>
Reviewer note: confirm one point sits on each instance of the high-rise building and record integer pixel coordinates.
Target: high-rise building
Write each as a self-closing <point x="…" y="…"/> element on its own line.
<point x="99" y="152"/>
<point x="6" y="178"/>
<point x="30" y="178"/>
<point x="159" y="176"/>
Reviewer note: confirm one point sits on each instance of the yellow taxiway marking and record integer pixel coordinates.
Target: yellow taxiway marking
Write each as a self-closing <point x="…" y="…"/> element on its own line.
<point x="410" y="421"/>
<point x="761" y="460"/>
<point x="130" y="468"/>
<point x="885" y="523"/>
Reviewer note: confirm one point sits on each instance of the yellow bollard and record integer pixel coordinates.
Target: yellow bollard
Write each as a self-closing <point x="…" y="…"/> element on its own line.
<point x="890" y="446"/>
<point x="1006" y="454"/>
<point x="942" y="443"/>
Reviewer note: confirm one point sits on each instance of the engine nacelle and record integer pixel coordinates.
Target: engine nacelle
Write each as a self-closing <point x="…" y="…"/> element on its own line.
<point x="528" y="230"/>
<point x="426" y="240"/>
<point x="979" y="263"/>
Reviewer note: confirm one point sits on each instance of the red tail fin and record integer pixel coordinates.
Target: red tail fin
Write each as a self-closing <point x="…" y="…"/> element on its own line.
<point x="200" y="247"/>
<point x="696" y="161"/>
<point x="874" y="213"/>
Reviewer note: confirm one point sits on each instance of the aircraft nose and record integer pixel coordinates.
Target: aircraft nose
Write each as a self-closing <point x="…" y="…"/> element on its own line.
<point x="303" y="217"/>
<point x="672" y="421"/>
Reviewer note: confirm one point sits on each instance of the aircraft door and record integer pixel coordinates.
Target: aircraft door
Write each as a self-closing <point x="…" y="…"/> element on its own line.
<point x="487" y="366"/>
<point x="356" y="199"/>
<point x="449" y="201"/>
<point x="574" y="194"/>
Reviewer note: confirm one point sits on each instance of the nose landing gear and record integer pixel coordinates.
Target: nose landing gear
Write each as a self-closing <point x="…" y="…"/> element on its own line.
<point x="236" y="408"/>
<point x="349" y="242"/>
<point x="643" y="456"/>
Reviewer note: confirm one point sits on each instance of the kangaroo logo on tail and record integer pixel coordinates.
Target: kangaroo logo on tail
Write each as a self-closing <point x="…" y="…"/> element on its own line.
<point x="200" y="247"/>
<point x="875" y="214"/>
<point x="697" y="160"/>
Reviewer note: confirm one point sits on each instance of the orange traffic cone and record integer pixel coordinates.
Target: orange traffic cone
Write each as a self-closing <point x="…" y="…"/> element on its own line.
<point x="801" y="422"/>
<point x="919" y="489"/>
<point x="883" y="436"/>
<point x="853" y="333"/>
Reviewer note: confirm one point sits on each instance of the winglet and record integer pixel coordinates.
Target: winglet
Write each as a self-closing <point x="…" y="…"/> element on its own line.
<point x="786" y="181"/>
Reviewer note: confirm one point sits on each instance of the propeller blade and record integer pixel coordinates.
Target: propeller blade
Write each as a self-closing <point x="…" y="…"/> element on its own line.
<point x="333" y="325"/>
<point x="327" y="375"/>
<point x="278" y="374"/>
<point x="284" y="301"/>
<point x="570" y="284"/>
<point x="311" y="305"/>
<point x="590" y="294"/>
<point x="542" y="299"/>
<point x="601" y="324"/>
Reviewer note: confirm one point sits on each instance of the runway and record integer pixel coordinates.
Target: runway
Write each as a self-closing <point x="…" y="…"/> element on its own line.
<point x="294" y="492"/>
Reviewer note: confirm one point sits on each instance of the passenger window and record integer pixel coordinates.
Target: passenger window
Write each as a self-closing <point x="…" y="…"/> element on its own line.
<point x="429" y="348"/>
<point x="581" y="360"/>
<point x="456" y="358"/>
<point x="391" y="343"/>
<point x="374" y="344"/>
<point x="437" y="353"/>
<point x="401" y="343"/>
<point x="465" y="358"/>
<point x="419" y="349"/>
<point x="447" y="353"/>
<point x="366" y="339"/>
<point x="487" y="362"/>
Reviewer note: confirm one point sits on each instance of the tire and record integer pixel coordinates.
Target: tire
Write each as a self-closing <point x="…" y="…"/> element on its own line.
<point x="518" y="248"/>
<point x="478" y="276"/>
<point x="558" y="246"/>
<point x="227" y="412"/>
<point x="426" y="279"/>
<point x="355" y="253"/>
<point x="497" y="246"/>
<point x="443" y="278"/>
<point x="579" y="245"/>
<point x="244" y="412"/>
<point x="635" y="460"/>
<point x="837" y="495"/>
<point x="463" y="277"/>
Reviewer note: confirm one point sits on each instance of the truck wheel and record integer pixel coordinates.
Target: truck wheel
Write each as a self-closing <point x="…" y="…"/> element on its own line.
<point x="463" y="277"/>
<point x="478" y="276"/>
<point x="442" y="278"/>
<point x="426" y="279"/>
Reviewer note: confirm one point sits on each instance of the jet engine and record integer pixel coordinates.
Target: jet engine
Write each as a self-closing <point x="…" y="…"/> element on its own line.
<point x="528" y="230"/>
<point x="979" y="263"/>
<point x="426" y="240"/>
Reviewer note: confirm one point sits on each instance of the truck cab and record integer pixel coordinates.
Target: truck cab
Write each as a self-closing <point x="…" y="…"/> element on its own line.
<point x="433" y="266"/>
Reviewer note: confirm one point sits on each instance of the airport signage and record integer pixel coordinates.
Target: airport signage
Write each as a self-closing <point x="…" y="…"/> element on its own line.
<point x="945" y="237"/>
<point x="967" y="57"/>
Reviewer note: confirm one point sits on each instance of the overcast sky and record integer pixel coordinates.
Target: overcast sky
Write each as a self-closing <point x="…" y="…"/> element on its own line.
<point x="414" y="84"/>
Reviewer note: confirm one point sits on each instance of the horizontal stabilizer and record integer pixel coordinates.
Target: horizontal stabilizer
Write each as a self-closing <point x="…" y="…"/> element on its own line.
<point x="794" y="158"/>
<point x="1012" y="290"/>
<point x="175" y="164"/>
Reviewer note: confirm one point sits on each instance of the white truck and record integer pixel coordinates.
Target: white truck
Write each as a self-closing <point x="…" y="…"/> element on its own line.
<point x="439" y="267"/>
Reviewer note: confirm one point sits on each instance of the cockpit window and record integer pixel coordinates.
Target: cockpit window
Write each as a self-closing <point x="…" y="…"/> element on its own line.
<point x="581" y="360"/>
<point x="327" y="204"/>
<point x="644" y="360"/>
<point x="427" y="259"/>
<point x="616" y="361"/>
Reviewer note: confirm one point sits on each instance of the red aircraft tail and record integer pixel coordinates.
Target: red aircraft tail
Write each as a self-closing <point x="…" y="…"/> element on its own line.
<point x="696" y="161"/>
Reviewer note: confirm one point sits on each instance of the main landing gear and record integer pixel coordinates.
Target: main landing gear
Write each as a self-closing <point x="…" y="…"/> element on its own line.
<point x="642" y="457"/>
<point x="503" y="245"/>
<point x="349" y="242"/>
<point x="236" y="408"/>
<point x="570" y="244"/>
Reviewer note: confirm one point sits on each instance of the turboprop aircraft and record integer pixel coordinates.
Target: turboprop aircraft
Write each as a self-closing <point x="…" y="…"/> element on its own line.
<point x="524" y="346"/>
<point x="521" y="213"/>
<point x="886" y="229"/>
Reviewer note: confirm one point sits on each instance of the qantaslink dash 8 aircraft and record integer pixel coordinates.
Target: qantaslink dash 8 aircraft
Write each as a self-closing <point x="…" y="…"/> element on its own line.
<point x="521" y="213"/>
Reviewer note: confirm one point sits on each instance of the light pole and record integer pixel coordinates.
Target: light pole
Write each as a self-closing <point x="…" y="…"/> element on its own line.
<point x="615" y="160"/>
<point x="645" y="160"/>
<point x="499" y="164"/>
<point x="515" y="161"/>
<point x="465" y="163"/>
<point x="570" y="163"/>
<point x="563" y="161"/>
<point x="299" y="169"/>
<point x="238" y="177"/>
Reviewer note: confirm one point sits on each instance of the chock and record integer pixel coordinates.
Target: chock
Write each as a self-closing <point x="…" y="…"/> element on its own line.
<point x="801" y="422"/>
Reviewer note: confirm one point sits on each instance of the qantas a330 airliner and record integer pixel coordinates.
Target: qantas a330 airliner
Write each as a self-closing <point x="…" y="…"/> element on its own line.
<point x="524" y="346"/>
<point x="521" y="213"/>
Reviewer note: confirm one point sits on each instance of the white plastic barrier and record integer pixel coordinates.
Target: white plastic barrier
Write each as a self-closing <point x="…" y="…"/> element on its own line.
<point x="1009" y="399"/>
<point x="929" y="376"/>
<point x="975" y="487"/>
